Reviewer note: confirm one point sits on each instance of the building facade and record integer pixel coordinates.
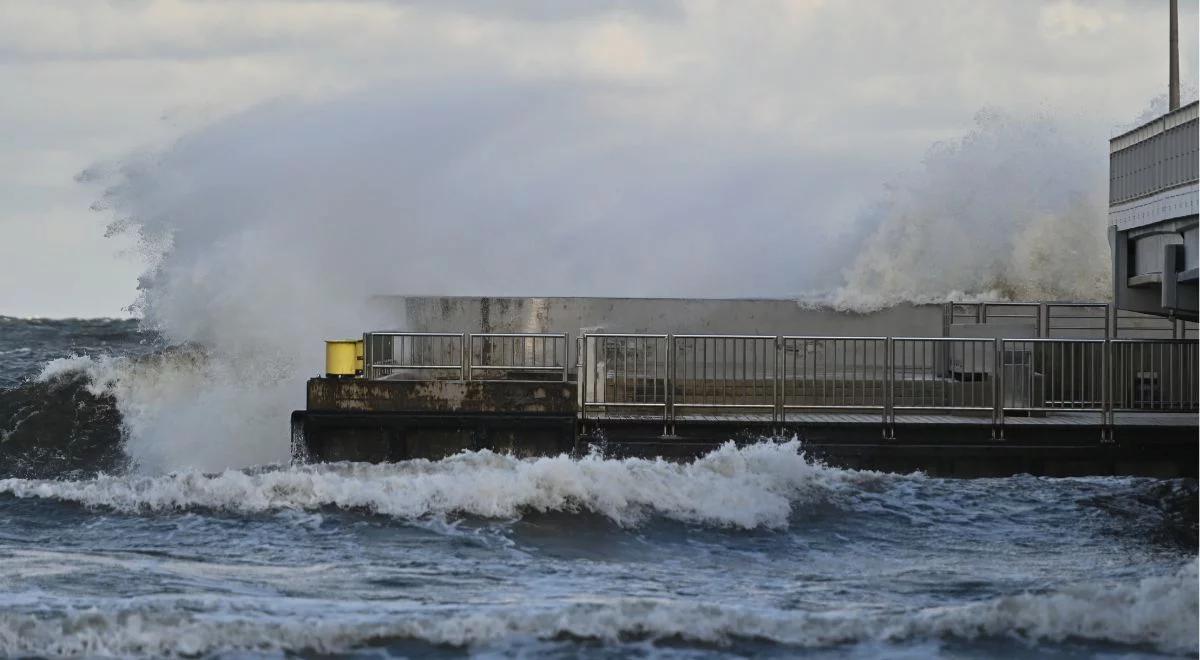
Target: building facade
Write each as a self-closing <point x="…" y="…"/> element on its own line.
<point x="1153" y="204"/>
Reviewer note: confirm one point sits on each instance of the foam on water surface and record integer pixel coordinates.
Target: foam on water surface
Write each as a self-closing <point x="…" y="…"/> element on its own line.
<point x="749" y="487"/>
<point x="1155" y="612"/>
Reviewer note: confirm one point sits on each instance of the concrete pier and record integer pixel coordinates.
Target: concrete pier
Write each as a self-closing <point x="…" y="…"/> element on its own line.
<point x="975" y="389"/>
<point x="377" y="421"/>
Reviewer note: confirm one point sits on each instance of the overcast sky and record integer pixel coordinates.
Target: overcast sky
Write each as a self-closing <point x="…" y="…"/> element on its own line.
<point x="869" y="86"/>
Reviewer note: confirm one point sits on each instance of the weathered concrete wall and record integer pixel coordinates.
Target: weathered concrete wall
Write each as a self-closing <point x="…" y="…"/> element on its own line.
<point x="648" y="315"/>
<point x="441" y="396"/>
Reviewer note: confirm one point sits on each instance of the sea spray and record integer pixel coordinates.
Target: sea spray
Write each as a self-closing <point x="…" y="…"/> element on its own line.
<point x="182" y="407"/>
<point x="1013" y="210"/>
<point x="270" y="229"/>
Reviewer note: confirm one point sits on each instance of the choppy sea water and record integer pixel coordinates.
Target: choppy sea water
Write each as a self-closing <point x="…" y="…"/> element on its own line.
<point x="750" y="551"/>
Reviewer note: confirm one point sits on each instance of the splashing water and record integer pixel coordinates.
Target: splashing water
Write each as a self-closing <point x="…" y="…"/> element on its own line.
<point x="1014" y="210"/>
<point x="272" y="228"/>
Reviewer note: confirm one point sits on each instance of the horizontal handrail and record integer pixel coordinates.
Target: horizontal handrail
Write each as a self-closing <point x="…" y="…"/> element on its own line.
<point x="612" y="335"/>
<point x="415" y="334"/>
<point x="548" y="335"/>
<point x="718" y="336"/>
<point x="823" y="337"/>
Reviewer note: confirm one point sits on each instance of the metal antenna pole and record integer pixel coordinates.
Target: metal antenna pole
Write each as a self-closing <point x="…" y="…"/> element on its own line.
<point x="1174" y="90"/>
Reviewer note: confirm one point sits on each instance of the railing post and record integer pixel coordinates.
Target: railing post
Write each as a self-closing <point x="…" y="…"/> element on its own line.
<point x="777" y="389"/>
<point x="889" y="388"/>
<point x="464" y="362"/>
<point x="580" y="379"/>
<point x="566" y="361"/>
<point x="998" y="390"/>
<point x="468" y="348"/>
<point x="1106" y="391"/>
<point x="883" y="385"/>
<point x="669" y="389"/>
<point x="367" y="359"/>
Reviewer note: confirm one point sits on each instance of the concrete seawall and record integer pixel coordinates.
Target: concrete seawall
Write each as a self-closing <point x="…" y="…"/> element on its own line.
<point x="657" y="315"/>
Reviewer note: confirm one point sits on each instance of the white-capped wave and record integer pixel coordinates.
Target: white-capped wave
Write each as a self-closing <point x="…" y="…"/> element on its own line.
<point x="102" y="373"/>
<point x="748" y="487"/>
<point x="188" y="408"/>
<point x="1157" y="611"/>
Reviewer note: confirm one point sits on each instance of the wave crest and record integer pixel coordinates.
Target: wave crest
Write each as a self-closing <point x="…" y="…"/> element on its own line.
<point x="1156" y="611"/>
<point x="747" y="487"/>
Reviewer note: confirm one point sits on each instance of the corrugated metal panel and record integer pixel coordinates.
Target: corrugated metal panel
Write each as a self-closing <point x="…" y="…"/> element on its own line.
<point x="1157" y="156"/>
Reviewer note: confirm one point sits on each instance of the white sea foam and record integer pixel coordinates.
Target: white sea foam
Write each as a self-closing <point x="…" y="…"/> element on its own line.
<point x="186" y="408"/>
<point x="102" y="373"/>
<point x="1157" y="611"/>
<point x="1012" y="210"/>
<point x="748" y="487"/>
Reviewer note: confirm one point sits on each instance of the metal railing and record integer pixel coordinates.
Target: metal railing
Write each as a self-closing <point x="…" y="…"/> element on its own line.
<point x="414" y="355"/>
<point x="985" y="312"/>
<point x="624" y="374"/>
<point x="843" y="374"/>
<point x="465" y="356"/>
<point x="724" y="373"/>
<point x="1069" y="320"/>
<point x="772" y="379"/>
<point x="678" y="377"/>
<point x="929" y="374"/>
<point x="1153" y="375"/>
<point x="517" y="356"/>
<point x="1135" y="325"/>
<point x="1053" y="375"/>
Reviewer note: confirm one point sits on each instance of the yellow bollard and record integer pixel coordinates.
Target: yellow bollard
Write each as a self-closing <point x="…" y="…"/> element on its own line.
<point x="342" y="358"/>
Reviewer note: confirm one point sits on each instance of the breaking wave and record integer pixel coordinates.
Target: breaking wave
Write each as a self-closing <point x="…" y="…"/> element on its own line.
<point x="183" y="407"/>
<point x="748" y="487"/>
<point x="63" y="426"/>
<point x="1156" y="611"/>
<point x="1015" y="210"/>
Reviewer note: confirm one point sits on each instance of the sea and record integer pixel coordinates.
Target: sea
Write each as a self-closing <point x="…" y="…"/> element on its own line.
<point x="755" y="550"/>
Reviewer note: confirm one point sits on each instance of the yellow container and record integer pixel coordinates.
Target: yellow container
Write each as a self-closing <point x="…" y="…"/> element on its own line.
<point x="343" y="358"/>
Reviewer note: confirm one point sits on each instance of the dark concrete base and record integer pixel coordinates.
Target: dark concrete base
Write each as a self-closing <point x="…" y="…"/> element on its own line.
<point x="945" y="451"/>
<point x="396" y="420"/>
<point x="388" y="437"/>
<point x="380" y="421"/>
<point x="938" y="450"/>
